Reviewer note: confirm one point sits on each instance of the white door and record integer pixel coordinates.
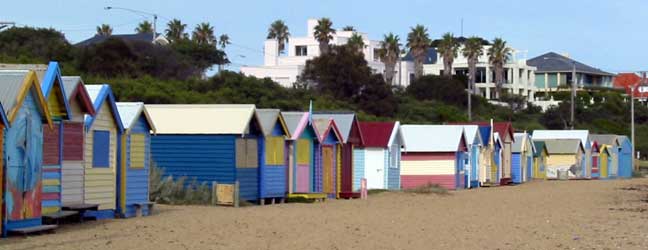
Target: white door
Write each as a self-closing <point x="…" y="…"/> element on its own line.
<point x="375" y="168"/>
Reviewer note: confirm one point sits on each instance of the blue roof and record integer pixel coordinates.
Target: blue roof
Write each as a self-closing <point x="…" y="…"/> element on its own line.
<point x="53" y="75"/>
<point x="484" y="131"/>
<point x="141" y="37"/>
<point x="103" y="93"/>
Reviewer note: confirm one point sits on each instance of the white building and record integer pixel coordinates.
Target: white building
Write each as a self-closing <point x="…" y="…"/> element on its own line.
<point x="518" y="76"/>
<point x="285" y="68"/>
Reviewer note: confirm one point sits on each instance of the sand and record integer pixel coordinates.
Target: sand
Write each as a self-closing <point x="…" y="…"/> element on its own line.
<point x="536" y="215"/>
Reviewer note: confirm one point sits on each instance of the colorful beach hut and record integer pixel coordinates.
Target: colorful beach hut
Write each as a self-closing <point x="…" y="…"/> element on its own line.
<point x="505" y="131"/>
<point x="73" y="164"/>
<point x="349" y="129"/>
<point x="585" y="169"/>
<point x="564" y="155"/>
<point x="596" y="159"/>
<point x="303" y="154"/>
<point x="625" y="166"/>
<point x="208" y="143"/>
<point x="273" y="172"/>
<point x="26" y="112"/>
<point x="488" y="170"/>
<point x="103" y="131"/>
<point x="134" y="160"/>
<point x="378" y="160"/>
<point x="328" y="169"/>
<point x="522" y="158"/>
<point x="604" y="161"/>
<point x="434" y="154"/>
<point x="609" y="166"/>
<point x="540" y="160"/>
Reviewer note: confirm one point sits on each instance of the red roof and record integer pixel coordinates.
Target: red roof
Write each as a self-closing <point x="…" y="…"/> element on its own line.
<point x="499" y="127"/>
<point x="624" y="80"/>
<point x="376" y="134"/>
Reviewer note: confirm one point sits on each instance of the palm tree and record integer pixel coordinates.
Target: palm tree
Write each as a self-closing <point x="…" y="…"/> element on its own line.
<point x="278" y="30"/>
<point x="389" y="55"/>
<point x="144" y="27"/>
<point x="356" y="42"/>
<point x="223" y="41"/>
<point x="472" y="50"/>
<point x="448" y="47"/>
<point x="104" y="30"/>
<point x="176" y="30"/>
<point x="204" y="34"/>
<point x="348" y="28"/>
<point x="498" y="55"/>
<point x="324" y="33"/>
<point x="418" y="41"/>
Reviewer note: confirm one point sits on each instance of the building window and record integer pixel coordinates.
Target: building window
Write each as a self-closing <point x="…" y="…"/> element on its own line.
<point x="376" y="55"/>
<point x="301" y="50"/>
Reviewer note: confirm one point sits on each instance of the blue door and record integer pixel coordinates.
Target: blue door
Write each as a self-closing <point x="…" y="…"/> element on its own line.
<point x="516" y="168"/>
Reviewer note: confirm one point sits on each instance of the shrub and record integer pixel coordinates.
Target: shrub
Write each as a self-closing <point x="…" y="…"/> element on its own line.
<point x="428" y="189"/>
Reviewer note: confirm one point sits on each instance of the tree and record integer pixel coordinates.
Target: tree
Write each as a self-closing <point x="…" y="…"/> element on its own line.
<point x="279" y="31"/>
<point x="104" y="30"/>
<point x="448" y="48"/>
<point x="498" y="55"/>
<point x="33" y="45"/>
<point x="144" y="27"/>
<point x="201" y="56"/>
<point x="175" y="30"/>
<point x="356" y="42"/>
<point x="223" y="41"/>
<point x="418" y="41"/>
<point x="389" y="55"/>
<point x="323" y="34"/>
<point x="348" y="28"/>
<point x="439" y="88"/>
<point x="204" y="34"/>
<point x="472" y="49"/>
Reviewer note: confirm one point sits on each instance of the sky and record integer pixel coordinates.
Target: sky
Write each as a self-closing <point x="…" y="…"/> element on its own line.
<point x="610" y="35"/>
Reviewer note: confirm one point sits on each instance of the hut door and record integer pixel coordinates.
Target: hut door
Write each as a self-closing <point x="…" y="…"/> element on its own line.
<point x="303" y="166"/>
<point x="327" y="167"/>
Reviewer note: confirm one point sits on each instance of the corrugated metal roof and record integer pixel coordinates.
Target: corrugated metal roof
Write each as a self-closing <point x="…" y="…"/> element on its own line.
<point x="540" y="146"/>
<point x="607" y="139"/>
<point x="582" y="135"/>
<point x="563" y="146"/>
<point x="292" y="120"/>
<point x="70" y="83"/>
<point x="517" y="144"/>
<point x="432" y="138"/>
<point x="129" y="112"/>
<point x="268" y="118"/>
<point x="343" y="120"/>
<point x="39" y="69"/>
<point x="376" y="134"/>
<point x="201" y="118"/>
<point x="321" y="125"/>
<point x="11" y="82"/>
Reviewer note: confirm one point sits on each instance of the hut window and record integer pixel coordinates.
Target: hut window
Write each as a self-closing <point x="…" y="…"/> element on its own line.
<point x="246" y="153"/>
<point x="101" y="149"/>
<point x="274" y="150"/>
<point x="137" y="150"/>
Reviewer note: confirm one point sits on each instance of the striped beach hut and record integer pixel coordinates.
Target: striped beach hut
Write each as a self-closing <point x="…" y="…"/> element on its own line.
<point x="609" y="143"/>
<point x="349" y="129"/>
<point x="522" y="158"/>
<point x="273" y="173"/>
<point x="26" y="112"/>
<point x="434" y="154"/>
<point x="134" y="160"/>
<point x="208" y="143"/>
<point x="303" y="154"/>
<point x="103" y="131"/>
<point x="564" y="155"/>
<point x="585" y="169"/>
<point x="328" y="169"/>
<point x="625" y="166"/>
<point x="378" y="160"/>
<point x="540" y="160"/>
<point x="73" y="164"/>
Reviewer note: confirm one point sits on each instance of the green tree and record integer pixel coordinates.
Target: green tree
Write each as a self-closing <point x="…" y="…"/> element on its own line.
<point x="33" y="45"/>
<point x="448" y="48"/>
<point x="348" y="28"/>
<point x="418" y="41"/>
<point x="204" y="34"/>
<point x="438" y="88"/>
<point x="340" y="73"/>
<point x="498" y="55"/>
<point x="323" y="34"/>
<point x="356" y="42"/>
<point x="472" y="49"/>
<point x="144" y="27"/>
<point x="104" y="30"/>
<point x="279" y="31"/>
<point x="223" y="41"/>
<point x="175" y="30"/>
<point x="389" y="55"/>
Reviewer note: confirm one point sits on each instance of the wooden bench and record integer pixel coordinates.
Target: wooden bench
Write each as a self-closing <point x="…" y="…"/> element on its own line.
<point x="80" y="208"/>
<point x="139" y="206"/>
<point x="32" y="230"/>
<point x="59" y="216"/>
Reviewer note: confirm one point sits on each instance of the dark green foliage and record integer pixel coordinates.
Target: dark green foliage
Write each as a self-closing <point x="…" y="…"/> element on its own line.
<point x="33" y="45"/>
<point x="439" y="88"/>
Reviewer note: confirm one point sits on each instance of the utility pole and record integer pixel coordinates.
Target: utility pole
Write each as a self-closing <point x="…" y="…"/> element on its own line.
<point x="632" y="117"/>
<point x="573" y="93"/>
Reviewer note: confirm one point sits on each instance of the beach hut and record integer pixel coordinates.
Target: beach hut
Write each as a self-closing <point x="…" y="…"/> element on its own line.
<point x="609" y="143"/>
<point x="103" y="133"/>
<point x="328" y="168"/>
<point x="134" y="160"/>
<point x="273" y="172"/>
<point x="208" y="143"/>
<point x="73" y="164"/>
<point x="596" y="159"/>
<point x="488" y="170"/>
<point x="26" y="112"/>
<point x="4" y="123"/>
<point x="540" y="160"/>
<point x="605" y="157"/>
<point x="564" y="155"/>
<point x="434" y="154"/>
<point x="349" y="129"/>
<point x="303" y="154"/>
<point x="522" y="158"/>
<point x="497" y="165"/>
<point x="379" y="158"/>
<point x="471" y="159"/>
<point x="585" y="169"/>
<point x="505" y="131"/>
<point x="625" y="166"/>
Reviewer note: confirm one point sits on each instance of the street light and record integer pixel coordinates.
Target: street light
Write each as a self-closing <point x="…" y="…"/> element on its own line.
<point x="573" y="85"/>
<point x="140" y="13"/>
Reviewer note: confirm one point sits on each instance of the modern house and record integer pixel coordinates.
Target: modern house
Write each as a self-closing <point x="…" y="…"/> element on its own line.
<point x="627" y="81"/>
<point x="554" y="71"/>
<point x="285" y="68"/>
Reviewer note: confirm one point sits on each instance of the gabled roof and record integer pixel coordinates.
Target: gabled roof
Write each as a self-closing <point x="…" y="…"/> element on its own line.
<point x="554" y="62"/>
<point x="3" y="117"/>
<point x="582" y="135"/>
<point x="14" y="87"/>
<point x="607" y="139"/>
<point x="519" y="138"/>
<point x="563" y="146"/>
<point x="345" y="120"/>
<point x="499" y="127"/>
<point x="129" y="112"/>
<point x="74" y="87"/>
<point x="484" y="132"/>
<point x="53" y="76"/>
<point x="296" y="123"/>
<point x="623" y="138"/>
<point x="624" y="80"/>
<point x="325" y="126"/>
<point x="433" y="138"/>
<point x="540" y="146"/>
<point x="377" y="134"/>
<point x="497" y="139"/>
<point x="202" y="118"/>
<point x="268" y="118"/>
<point x="99" y="94"/>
